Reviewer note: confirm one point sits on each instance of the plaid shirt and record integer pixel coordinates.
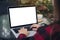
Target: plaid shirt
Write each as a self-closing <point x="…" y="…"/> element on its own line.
<point x="43" y="33"/>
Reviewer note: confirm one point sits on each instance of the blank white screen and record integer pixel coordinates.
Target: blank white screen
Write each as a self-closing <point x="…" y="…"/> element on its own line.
<point x="22" y="16"/>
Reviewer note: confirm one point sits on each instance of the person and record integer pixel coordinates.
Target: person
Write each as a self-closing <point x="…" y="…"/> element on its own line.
<point x="42" y="33"/>
<point x="56" y="31"/>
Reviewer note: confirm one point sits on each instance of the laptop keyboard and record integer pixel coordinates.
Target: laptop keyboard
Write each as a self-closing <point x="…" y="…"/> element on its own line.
<point x="16" y="29"/>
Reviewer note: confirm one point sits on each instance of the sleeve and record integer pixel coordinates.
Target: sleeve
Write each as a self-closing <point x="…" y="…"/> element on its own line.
<point x="43" y="31"/>
<point x="21" y="37"/>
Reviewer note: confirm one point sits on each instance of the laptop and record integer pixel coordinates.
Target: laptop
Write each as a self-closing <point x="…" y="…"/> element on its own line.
<point x="21" y="17"/>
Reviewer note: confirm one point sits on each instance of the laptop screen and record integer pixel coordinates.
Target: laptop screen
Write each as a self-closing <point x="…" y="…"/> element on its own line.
<point x="22" y="16"/>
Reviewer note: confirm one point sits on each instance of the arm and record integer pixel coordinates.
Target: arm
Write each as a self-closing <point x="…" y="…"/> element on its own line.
<point x="21" y="37"/>
<point x="23" y="33"/>
<point x="45" y="32"/>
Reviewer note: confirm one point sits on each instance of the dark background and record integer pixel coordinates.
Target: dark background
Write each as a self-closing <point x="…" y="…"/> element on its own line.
<point x="4" y="4"/>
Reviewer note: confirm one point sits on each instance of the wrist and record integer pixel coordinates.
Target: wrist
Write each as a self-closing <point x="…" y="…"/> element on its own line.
<point x="24" y="34"/>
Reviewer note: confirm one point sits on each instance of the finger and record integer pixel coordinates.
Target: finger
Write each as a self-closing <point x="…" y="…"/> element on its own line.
<point x="23" y="28"/>
<point x="18" y="30"/>
<point x="32" y="25"/>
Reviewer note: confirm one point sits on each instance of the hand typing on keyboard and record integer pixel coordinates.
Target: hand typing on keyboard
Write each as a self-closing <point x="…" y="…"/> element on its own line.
<point x="35" y="27"/>
<point x="23" y="31"/>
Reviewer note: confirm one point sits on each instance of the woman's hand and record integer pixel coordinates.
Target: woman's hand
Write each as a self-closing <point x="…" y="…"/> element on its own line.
<point x="23" y="31"/>
<point x="35" y="27"/>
